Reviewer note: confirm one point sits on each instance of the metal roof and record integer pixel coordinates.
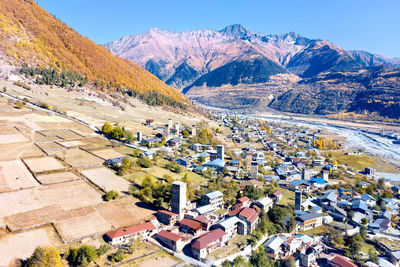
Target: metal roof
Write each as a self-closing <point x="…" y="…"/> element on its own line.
<point x="214" y="194"/>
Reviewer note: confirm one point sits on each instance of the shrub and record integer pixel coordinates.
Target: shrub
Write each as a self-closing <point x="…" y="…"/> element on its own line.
<point x="118" y="256"/>
<point x="111" y="195"/>
<point x="19" y="104"/>
<point x="82" y="256"/>
<point x="144" y="162"/>
<point x="103" y="249"/>
<point x="23" y="85"/>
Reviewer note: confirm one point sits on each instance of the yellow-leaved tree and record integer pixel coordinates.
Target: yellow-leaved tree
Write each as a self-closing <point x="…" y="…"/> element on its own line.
<point x="45" y="257"/>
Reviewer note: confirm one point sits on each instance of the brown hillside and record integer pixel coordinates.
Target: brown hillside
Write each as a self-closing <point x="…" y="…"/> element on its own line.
<point x="29" y="34"/>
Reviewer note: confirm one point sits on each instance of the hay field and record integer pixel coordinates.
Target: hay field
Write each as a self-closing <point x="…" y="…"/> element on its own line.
<point x="44" y="164"/>
<point x="21" y="245"/>
<point x="19" y="150"/>
<point x="57" y="177"/>
<point x="65" y="134"/>
<point x="14" y="175"/>
<point x="70" y="195"/>
<point x="69" y="144"/>
<point x="50" y="146"/>
<point x="78" y="158"/>
<point x="76" y="228"/>
<point x="8" y="129"/>
<point x="106" y="179"/>
<point x="107" y="153"/>
<point x="130" y="211"/>
<point x="13" y="138"/>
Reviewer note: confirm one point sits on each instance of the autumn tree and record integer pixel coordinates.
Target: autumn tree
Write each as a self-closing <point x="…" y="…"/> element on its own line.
<point x="125" y="165"/>
<point x="107" y="128"/>
<point x="45" y="257"/>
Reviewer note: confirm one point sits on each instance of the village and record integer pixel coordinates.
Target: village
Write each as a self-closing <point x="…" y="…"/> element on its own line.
<point x="231" y="190"/>
<point x="296" y="202"/>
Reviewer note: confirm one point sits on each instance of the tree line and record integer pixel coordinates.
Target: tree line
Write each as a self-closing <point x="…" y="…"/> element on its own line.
<point x="51" y="76"/>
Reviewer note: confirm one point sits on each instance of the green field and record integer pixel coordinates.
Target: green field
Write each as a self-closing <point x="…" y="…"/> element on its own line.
<point x="288" y="197"/>
<point x="320" y="230"/>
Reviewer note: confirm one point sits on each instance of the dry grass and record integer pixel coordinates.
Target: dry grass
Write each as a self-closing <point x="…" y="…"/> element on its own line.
<point x="19" y="150"/>
<point x="21" y="245"/>
<point x="106" y="179"/>
<point x="78" y="158"/>
<point x="107" y="153"/>
<point x="68" y="196"/>
<point x="14" y="175"/>
<point x="57" y="177"/>
<point x="13" y="138"/>
<point x="359" y="162"/>
<point x="44" y="164"/>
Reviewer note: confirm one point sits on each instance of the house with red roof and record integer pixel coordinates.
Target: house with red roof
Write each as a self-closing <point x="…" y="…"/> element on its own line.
<point x="340" y="261"/>
<point x="167" y="217"/>
<point x="277" y="195"/>
<point x="207" y="243"/>
<point x="205" y="222"/>
<point x="126" y="234"/>
<point x="190" y="226"/>
<point x="170" y="240"/>
<point x="245" y="201"/>
<point x="250" y="216"/>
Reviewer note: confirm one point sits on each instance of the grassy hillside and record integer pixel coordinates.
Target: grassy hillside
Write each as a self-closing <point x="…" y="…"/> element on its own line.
<point x="29" y="34"/>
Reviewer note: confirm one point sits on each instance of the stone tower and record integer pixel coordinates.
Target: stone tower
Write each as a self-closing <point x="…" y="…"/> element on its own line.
<point x="297" y="200"/>
<point x="139" y="136"/>
<point x="220" y="152"/>
<point x="178" y="201"/>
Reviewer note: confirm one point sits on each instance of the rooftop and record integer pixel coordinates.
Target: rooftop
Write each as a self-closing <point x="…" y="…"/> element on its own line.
<point x="274" y="243"/>
<point x="131" y="230"/>
<point x="309" y="216"/>
<point x="192" y="224"/>
<point x="230" y="222"/>
<point x="342" y="261"/>
<point x="214" y="194"/>
<point x="205" y="209"/>
<point x="208" y="238"/>
<point x="169" y="235"/>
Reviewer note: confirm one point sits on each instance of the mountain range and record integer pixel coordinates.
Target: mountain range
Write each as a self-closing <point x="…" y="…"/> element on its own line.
<point x="30" y="35"/>
<point x="237" y="68"/>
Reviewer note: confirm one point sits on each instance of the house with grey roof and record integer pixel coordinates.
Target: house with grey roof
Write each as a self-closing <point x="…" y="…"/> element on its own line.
<point x="214" y="199"/>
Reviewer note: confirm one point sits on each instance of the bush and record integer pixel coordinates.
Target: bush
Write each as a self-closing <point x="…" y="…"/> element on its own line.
<point x="44" y="105"/>
<point x="82" y="256"/>
<point x="19" y="104"/>
<point x="125" y="165"/>
<point x="144" y="162"/>
<point x="118" y="256"/>
<point x="23" y="85"/>
<point x="111" y="195"/>
<point x="175" y="167"/>
<point x="103" y="249"/>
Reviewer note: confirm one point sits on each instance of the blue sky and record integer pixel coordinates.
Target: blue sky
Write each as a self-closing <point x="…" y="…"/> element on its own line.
<point x="371" y="25"/>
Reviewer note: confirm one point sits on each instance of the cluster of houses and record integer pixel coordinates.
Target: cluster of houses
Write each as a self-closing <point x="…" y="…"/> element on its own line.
<point x="201" y="228"/>
<point x="204" y="230"/>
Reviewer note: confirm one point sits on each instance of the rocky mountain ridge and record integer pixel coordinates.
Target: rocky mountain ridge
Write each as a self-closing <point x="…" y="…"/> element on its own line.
<point x="235" y="67"/>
